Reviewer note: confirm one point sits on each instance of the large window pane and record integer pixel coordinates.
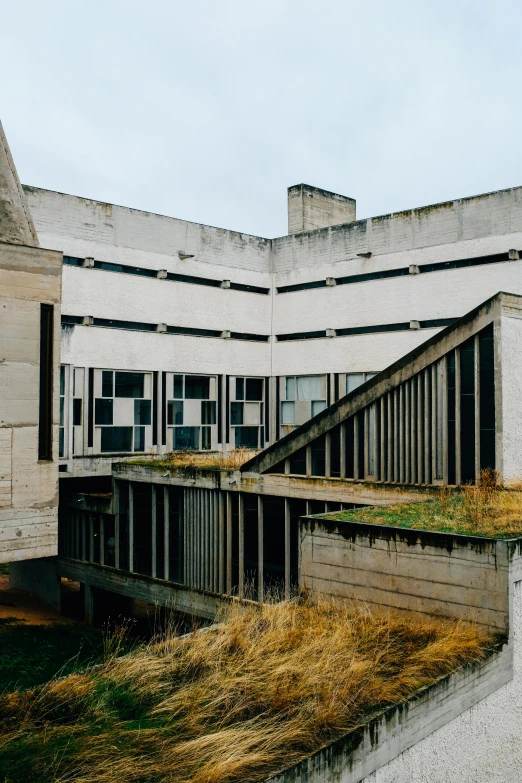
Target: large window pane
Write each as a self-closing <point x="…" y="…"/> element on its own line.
<point x="142" y="411"/>
<point x="197" y="387"/>
<point x="129" y="384"/>
<point x="175" y="412"/>
<point x="309" y="387"/>
<point x="139" y="438"/>
<point x="206" y="441"/>
<point x="251" y="413"/>
<point x="62" y="380"/>
<point x="236" y="413"/>
<point x="318" y="406"/>
<point x="247" y="437"/>
<point x="208" y="412"/>
<point x="77" y="411"/>
<point x="103" y="411"/>
<point x="116" y="439"/>
<point x="240" y="388"/>
<point x="178" y="386"/>
<point x="254" y="389"/>
<point x="186" y="438"/>
<point x="107" y="383"/>
<point x="353" y="380"/>
<point x="290" y="388"/>
<point x="288" y="412"/>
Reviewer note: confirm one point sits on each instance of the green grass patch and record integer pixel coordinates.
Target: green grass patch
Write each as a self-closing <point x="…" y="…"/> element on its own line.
<point x="30" y="655"/>
<point x="490" y="513"/>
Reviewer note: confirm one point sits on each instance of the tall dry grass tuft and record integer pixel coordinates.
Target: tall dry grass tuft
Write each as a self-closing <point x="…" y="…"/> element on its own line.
<point x="213" y="460"/>
<point x="236" y="702"/>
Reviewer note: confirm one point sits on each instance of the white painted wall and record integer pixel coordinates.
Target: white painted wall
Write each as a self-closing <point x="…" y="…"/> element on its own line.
<point x="482" y="745"/>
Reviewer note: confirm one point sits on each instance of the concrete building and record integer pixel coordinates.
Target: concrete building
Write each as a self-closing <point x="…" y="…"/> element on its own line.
<point x="30" y="292"/>
<point x="180" y="335"/>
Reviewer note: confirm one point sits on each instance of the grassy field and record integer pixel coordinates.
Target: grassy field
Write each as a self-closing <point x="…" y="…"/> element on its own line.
<point x="257" y="692"/>
<point x="31" y="655"/>
<point x="485" y="510"/>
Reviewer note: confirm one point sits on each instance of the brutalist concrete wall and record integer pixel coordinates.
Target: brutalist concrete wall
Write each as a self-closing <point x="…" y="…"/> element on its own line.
<point x="407" y="570"/>
<point x="310" y="208"/>
<point x="509" y="375"/>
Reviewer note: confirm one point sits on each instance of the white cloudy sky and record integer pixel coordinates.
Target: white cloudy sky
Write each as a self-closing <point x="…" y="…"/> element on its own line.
<point x="209" y="109"/>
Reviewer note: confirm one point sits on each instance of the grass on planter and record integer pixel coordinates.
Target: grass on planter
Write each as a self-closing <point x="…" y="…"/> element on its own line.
<point x="235" y="703"/>
<point x="487" y="510"/>
<point x="214" y="460"/>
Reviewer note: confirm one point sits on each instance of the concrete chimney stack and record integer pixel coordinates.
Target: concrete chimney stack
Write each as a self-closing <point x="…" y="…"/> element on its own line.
<point x="310" y="208"/>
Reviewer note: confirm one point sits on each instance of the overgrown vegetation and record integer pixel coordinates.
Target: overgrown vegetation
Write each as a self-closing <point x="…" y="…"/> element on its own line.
<point x="212" y="460"/>
<point x="487" y="510"/>
<point x="262" y="689"/>
<point x="31" y="655"/>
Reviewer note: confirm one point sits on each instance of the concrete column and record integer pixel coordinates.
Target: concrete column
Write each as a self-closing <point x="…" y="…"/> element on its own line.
<point x="413" y="430"/>
<point x="228" y="579"/>
<point x="427" y="425"/>
<point x="221" y="570"/>
<point x="382" y="438"/>
<point x="356" y="446"/>
<point x="131" y="527"/>
<point x="166" y="533"/>
<point x="389" y="437"/>
<point x="328" y="454"/>
<point x="241" y="546"/>
<point x="287" y="548"/>
<point x="366" y="444"/>
<point x="433" y="423"/>
<point x="420" y="428"/>
<point x="402" y="414"/>
<point x="260" y="555"/>
<point x="396" y="435"/>
<point x="153" y="530"/>
<point x="91" y="539"/>
<point x="445" y="463"/>
<point x="287" y="466"/>
<point x="116" y="509"/>
<point x="308" y="460"/>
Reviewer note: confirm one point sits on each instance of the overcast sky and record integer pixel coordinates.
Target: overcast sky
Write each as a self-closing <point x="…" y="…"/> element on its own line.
<point x="209" y="109"/>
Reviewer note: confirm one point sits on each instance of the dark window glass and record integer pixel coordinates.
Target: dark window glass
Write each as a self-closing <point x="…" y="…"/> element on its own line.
<point x="197" y="387"/>
<point x="62" y="380"/>
<point x="247" y="437"/>
<point x="467" y="410"/>
<point x="107" y="383"/>
<point x="45" y="419"/>
<point x="335" y="453"/>
<point x="206" y="438"/>
<point x="235" y="541"/>
<point x="240" y="388"/>
<point x="319" y="456"/>
<point x="262" y="437"/>
<point x="176" y="547"/>
<point x="116" y="439"/>
<point x="103" y="411"/>
<point x="77" y="411"/>
<point x="142" y="528"/>
<point x="139" y="438"/>
<point x="123" y="508"/>
<point x="274" y="545"/>
<point x="208" y="412"/>
<point x="142" y="411"/>
<point x="487" y="398"/>
<point x="186" y="438"/>
<point x="62" y="411"/>
<point x="178" y="386"/>
<point x="349" y="441"/>
<point x="175" y="412"/>
<point x="360" y="422"/>
<point x="254" y="389"/>
<point x="451" y="417"/>
<point x="61" y="441"/>
<point x="316" y="507"/>
<point x="95" y="538"/>
<point x="129" y="384"/>
<point x="160" y="532"/>
<point x="298" y="462"/>
<point x="236" y="413"/>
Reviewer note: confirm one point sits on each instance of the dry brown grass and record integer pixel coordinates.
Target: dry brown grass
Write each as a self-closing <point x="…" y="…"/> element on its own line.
<point x="237" y="702"/>
<point x="487" y="509"/>
<point x="212" y="460"/>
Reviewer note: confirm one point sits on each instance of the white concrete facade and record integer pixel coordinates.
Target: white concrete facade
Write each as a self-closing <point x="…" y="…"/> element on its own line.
<point x="245" y="328"/>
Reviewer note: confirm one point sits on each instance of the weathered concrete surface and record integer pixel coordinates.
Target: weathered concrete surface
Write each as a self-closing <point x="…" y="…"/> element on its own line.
<point x="408" y="570"/>
<point x="16" y="224"/>
<point x="310" y="208"/>
<point x="37" y="576"/>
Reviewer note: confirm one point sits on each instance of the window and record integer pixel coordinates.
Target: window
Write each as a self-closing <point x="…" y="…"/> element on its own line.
<point x="240" y="388"/>
<point x="288" y="412"/>
<point x="45" y="417"/>
<point x="103" y="411"/>
<point x="186" y="438"/>
<point x="139" y="438"/>
<point x="356" y="379"/>
<point x="107" y="383"/>
<point x="197" y="387"/>
<point x="247" y="437"/>
<point x="205" y="437"/>
<point x="142" y="412"/>
<point x="116" y="438"/>
<point x="236" y="413"/>
<point x="61" y="432"/>
<point x="175" y="412"/>
<point x="77" y="412"/>
<point x="254" y="389"/>
<point x="318" y="406"/>
<point x="178" y="386"/>
<point x="208" y="413"/>
<point x="129" y="384"/>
